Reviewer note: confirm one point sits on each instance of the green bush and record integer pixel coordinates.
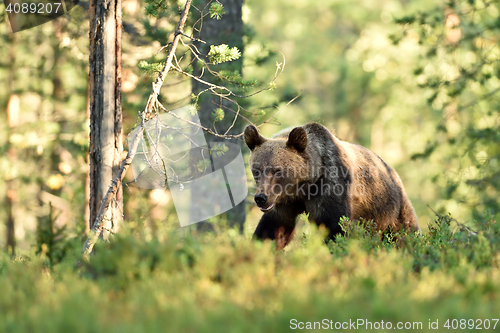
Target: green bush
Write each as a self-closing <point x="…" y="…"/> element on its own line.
<point x="229" y="283"/>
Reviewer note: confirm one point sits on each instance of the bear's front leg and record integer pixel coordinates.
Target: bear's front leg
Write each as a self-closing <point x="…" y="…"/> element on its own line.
<point x="278" y="224"/>
<point x="329" y="216"/>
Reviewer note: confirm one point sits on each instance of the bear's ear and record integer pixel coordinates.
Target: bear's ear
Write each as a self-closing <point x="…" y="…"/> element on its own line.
<point x="297" y="139"/>
<point x="253" y="137"/>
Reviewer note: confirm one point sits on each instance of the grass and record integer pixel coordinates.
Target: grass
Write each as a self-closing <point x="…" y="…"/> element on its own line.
<point x="228" y="283"/>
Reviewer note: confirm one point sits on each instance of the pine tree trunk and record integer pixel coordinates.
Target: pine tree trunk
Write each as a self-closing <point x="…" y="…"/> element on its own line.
<point x="105" y="109"/>
<point x="12" y="120"/>
<point x="228" y="30"/>
<point x="86" y="181"/>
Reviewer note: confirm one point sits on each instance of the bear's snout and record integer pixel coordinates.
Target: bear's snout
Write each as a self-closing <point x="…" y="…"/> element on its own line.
<point x="260" y="199"/>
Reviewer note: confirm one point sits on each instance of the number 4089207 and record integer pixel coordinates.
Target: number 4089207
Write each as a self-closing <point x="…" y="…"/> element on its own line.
<point x="471" y="324"/>
<point x="33" y="8"/>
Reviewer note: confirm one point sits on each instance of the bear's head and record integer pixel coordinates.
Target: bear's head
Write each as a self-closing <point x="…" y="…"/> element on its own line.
<point x="278" y="165"/>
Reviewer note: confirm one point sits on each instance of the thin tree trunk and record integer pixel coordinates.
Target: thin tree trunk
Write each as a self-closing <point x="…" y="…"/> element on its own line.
<point x="12" y="120"/>
<point x="10" y="199"/>
<point x="10" y="245"/>
<point x="86" y="209"/>
<point x="105" y="109"/>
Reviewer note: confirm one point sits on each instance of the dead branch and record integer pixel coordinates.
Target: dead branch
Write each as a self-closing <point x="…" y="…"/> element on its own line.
<point x="199" y="126"/>
<point x="153" y="97"/>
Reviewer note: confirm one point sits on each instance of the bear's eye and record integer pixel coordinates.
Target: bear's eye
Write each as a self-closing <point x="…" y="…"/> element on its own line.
<point x="256" y="173"/>
<point x="276" y="171"/>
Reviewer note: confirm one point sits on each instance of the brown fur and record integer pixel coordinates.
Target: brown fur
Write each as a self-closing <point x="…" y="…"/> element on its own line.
<point x="307" y="169"/>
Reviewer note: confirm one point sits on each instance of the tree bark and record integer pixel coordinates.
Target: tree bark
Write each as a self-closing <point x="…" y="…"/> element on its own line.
<point x="12" y="120"/>
<point x="86" y="181"/>
<point x="105" y="109"/>
<point x="228" y="30"/>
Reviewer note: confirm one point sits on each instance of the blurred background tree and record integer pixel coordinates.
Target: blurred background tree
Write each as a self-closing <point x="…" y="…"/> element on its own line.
<point x="226" y="29"/>
<point x="459" y="71"/>
<point x="45" y="128"/>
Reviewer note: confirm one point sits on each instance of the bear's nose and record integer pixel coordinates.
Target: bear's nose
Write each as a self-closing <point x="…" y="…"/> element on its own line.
<point x="260" y="199"/>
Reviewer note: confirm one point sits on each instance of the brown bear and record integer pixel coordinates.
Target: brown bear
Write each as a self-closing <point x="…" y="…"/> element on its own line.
<point x="308" y="169"/>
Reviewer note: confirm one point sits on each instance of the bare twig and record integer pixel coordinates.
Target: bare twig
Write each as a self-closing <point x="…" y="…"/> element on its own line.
<point x="194" y="39"/>
<point x="211" y="85"/>
<point x="198" y="125"/>
<point x="461" y="226"/>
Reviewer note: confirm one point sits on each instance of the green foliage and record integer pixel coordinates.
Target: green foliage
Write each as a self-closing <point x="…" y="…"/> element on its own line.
<point x="155" y="8"/>
<point x="202" y="165"/>
<point x="235" y="78"/>
<point x="228" y="282"/>
<point x="194" y="106"/>
<point x="448" y="246"/>
<point x="451" y="245"/>
<point x="218" y="114"/>
<point x="223" y="53"/>
<point x="219" y="149"/>
<point x="459" y="71"/>
<point x="51" y="241"/>
<point x="216" y="10"/>
<point x="150" y="68"/>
